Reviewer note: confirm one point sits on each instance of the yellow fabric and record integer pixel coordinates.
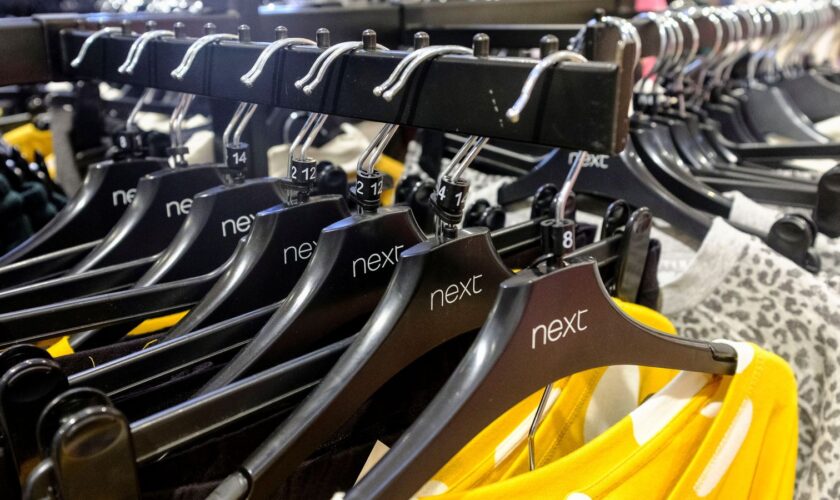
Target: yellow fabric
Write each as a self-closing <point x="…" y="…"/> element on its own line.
<point x="28" y="139"/>
<point x="157" y="324"/>
<point x="394" y="168"/>
<point x="701" y="436"/>
<point x="63" y="347"/>
<point x="494" y="455"/>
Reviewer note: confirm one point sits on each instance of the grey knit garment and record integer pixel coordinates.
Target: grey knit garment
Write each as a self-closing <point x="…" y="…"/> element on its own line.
<point x="737" y="288"/>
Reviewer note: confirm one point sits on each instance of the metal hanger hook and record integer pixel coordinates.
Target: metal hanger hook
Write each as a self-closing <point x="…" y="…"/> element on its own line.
<point x="399" y="77"/>
<point x="242" y="116"/>
<point x="176" y="121"/>
<point x="319" y="68"/>
<point x="311" y="127"/>
<point x="89" y="42"/>
<point x="464" y="157"/>
<point x="256" y="70"/>
<point x="137" y="48"/>
<point x="192" y="52"/>
<point x="371" y="154"/>
<point x="145" y="98"/>
<point x="528" y="88"/>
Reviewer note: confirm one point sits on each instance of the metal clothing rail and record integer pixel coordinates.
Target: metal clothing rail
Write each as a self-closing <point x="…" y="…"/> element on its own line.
<point x="576" y="106"/>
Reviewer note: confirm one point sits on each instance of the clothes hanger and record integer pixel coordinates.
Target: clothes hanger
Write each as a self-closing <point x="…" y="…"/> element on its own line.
<point x="350" y="267"/>
<point x="163" y="200"/>
<point x="765" y="108"/>
<point x="815" y="95"/>
<point x="509" y="359"/>
<point x="217" y="218"/>
<point x="279" y="246"/>
<point x="675" y="138"/>
<point x="43" y="267"/>
<point x="161" y="203"/>
<point x="623" y="176"/>
<point x="100" y="202"/>
<point x="716" y="118"/>
<point x="264" y="394"/>
<point x="653" y="141"/>
<point x="464" y="264"/>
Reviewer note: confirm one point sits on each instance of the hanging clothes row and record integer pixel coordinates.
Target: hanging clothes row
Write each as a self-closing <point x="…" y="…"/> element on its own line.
<point x="647" y="309"/>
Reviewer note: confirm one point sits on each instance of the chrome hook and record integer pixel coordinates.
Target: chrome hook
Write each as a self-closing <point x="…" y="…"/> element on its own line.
<point x="398" y="78"/>
<point x="176" y="120"/>
<point x="515" y="111"/>
<point x="192" y="52"/>
<point x="242" y="115"/>
<point x="311" y="127"/>
<point x="137" y="48"/>
<point x="145" y="98"/>
<point x="319" y="68"/>
<point x="83" y="50"/>
<point x="251" y="76"/>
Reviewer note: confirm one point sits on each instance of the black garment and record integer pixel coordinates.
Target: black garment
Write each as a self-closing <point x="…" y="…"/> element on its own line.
<point x="36" y="204"/>
<point x="15" y="227"/>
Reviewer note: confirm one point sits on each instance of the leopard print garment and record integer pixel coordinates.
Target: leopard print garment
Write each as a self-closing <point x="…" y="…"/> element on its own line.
<point x="737" y="288"/>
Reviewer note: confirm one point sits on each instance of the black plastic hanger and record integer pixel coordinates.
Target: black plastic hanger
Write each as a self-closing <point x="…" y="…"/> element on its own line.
<point x="623" y="176"/>
<point x="216" y="343"/>
<point x="162" y="201"/>
<point x="104" y="196"/>
<point x="269" y="264"/>
<point x="267" y="393"/>
<point x="276" y="252"/>
<point x="520" y="350"/>
<point x="104" y="280"/>
<point x="108" y="189"/>
<point x="439" y="291"/>
<point x="46" y="266"/>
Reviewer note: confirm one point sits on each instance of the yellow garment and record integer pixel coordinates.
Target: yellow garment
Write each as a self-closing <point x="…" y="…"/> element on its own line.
<point x="701" y="436"/>
<point x="494" y="454"/>
<point x="157" y="324"/>
<point x="28" y="139"/>
<point x="393" y="168"/>
<point x="63" y="347"/>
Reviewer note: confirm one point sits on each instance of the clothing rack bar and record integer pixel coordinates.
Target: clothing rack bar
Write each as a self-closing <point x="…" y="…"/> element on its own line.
<point x="509" y="36"/>
<point x="575" y="106"/>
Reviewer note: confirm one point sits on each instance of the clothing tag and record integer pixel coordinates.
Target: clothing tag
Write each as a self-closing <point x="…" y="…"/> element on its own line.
<point x="379" y="450"/>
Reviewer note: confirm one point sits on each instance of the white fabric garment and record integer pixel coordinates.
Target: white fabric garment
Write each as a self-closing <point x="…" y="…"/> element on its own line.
<point x="735" y="287"/>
